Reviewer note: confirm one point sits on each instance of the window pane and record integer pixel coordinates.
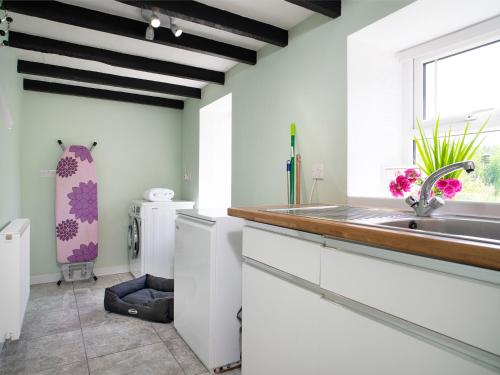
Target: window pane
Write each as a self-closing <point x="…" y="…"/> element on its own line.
<point x="465" y="82"/>
<point x="429" y="90"/>
<point x="483" y="184"/>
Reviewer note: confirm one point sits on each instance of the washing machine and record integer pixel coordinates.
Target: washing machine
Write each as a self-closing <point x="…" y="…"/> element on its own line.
<point x="151" y="237"/>
<point x="135" y="256"/>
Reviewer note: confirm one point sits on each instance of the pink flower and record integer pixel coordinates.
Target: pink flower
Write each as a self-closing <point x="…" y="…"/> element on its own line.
<point x="449" y="192"/>
<point x="395" y="189"/>
<point x="455" y="184"/>
<point x="442" y="184"/>
<point x="403" y="183"/>
<point x="450" y="187"/>
<point x="412" y="175"/>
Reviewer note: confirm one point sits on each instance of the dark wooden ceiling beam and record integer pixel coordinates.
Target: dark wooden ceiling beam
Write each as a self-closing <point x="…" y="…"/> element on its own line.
<point x="62" y="72"/>
<point x="90" y="19"/>
<point x="206" y="15"/>
<point x="45" y="45"/>
<point x="58" y="88"/>
<point x="329" y="8"/>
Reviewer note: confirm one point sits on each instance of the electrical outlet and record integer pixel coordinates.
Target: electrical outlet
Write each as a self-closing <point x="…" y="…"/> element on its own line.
<point x="318" y="171"/>
<point x="187" y="176"/>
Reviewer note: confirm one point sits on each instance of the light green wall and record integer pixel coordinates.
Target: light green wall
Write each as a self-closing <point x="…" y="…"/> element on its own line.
<point x="10" y="175"/>
<point x="306" y="82"/>
<point x="138" y="147"/>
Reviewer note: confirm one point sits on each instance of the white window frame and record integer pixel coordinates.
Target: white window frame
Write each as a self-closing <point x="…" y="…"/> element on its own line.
<point x="469" y="38"/>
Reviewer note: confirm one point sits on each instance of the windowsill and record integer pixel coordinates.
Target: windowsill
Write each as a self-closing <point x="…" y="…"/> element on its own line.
<point x="483" y="209"/>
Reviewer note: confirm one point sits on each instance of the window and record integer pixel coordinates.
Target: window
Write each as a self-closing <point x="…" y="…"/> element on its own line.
<point x="215" y="154"/>
<point x="462" y="85"/>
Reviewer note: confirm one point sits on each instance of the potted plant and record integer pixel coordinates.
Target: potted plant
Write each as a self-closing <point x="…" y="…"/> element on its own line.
<point x="435" y="152"/>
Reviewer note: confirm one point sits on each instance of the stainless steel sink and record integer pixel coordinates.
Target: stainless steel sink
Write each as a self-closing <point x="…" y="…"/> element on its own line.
<point x="478" y="229"/>
<point x="342" y="213"/>
<point x="469" y="228"/>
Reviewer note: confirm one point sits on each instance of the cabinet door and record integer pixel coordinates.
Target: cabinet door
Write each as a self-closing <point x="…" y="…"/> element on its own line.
<point x="294" y="331"/>
<point x="464" y="309"/>
<point x="280" y="326"/>
<point x="194" y="242"/>
<point x="353" y="344"/>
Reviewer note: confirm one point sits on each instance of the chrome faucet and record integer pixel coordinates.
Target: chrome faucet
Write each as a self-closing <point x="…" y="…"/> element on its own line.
<point x="426" y="204"/>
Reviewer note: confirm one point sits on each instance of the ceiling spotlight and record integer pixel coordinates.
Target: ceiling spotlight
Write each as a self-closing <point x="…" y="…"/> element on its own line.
<point x="6" y="18"/>
<point x="154" y="21"/>
<point x="150" y="33"/>
<point x="176" y="30"/>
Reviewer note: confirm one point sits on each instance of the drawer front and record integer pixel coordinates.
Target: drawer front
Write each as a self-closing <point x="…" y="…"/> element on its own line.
<point x="294" y="256"/>
<point x="464" y="309"/>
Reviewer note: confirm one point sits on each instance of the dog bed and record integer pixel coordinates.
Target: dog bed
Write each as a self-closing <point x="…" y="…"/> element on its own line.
<point x="147" y="297"/>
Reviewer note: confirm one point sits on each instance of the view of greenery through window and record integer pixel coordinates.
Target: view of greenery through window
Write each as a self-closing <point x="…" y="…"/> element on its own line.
<point x="484" y="183"/>
<point x="462" y="84"/>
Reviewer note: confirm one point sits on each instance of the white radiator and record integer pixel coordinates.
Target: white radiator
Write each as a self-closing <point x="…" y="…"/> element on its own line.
<point x="14" y="277"/>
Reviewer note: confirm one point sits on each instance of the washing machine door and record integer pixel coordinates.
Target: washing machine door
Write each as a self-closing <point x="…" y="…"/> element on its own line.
<point x="134" y="238"/>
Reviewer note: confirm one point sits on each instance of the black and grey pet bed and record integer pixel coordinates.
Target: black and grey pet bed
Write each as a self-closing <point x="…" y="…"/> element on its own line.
<point x="147" y="297"/>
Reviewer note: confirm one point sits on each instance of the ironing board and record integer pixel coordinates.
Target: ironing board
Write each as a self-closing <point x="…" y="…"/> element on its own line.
<point x="77" y="234"/>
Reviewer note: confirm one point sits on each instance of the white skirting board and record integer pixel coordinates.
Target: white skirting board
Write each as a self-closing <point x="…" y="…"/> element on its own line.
<point x="101" y="271"/>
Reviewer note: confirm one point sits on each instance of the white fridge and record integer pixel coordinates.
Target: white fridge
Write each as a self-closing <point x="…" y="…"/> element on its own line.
<point x="207" y="273"/>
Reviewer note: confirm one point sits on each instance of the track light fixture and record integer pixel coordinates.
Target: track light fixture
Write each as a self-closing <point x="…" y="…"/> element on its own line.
<point x="150" y="33"/>
<point x="176" y="30"/>
<point x="155" y="22"/>
<point x="6" y="19"/>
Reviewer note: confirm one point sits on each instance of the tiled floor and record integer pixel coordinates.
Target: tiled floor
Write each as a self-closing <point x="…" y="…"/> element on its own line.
<point x="67" y="331"/>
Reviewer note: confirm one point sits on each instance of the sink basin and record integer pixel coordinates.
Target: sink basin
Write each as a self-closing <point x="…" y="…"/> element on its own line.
<point x="341" y="213"/>
<point x="468" y="228"/>
<point x="477" y="229"/>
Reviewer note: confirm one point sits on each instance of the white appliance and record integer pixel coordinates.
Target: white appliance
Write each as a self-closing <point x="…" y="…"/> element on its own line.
<point x="208" y="284"/>
<point x="151" y="233"/>
<point x="14" y="277"/>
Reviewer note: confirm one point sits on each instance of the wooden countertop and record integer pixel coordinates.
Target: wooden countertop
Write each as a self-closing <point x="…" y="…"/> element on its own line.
<point x="472" y="253"/>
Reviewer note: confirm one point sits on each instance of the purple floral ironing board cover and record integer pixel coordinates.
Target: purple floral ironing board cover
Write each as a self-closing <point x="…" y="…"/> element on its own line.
<point x="77" y="232"/>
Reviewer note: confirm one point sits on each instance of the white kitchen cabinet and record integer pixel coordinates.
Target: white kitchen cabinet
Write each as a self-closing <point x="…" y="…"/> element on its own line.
<point x="295" y="256"/>
<point x="280" y="326"/>
<point x="465" y="309"/>
<point x="292" y="325"/>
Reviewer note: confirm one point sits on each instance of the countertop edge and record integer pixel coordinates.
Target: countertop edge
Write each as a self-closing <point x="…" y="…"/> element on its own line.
<point x="470" y="253"/>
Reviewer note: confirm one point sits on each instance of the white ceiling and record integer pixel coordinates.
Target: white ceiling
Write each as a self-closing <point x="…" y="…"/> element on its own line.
<point x="432" y="18"/>
<point x="276" y="12"/>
